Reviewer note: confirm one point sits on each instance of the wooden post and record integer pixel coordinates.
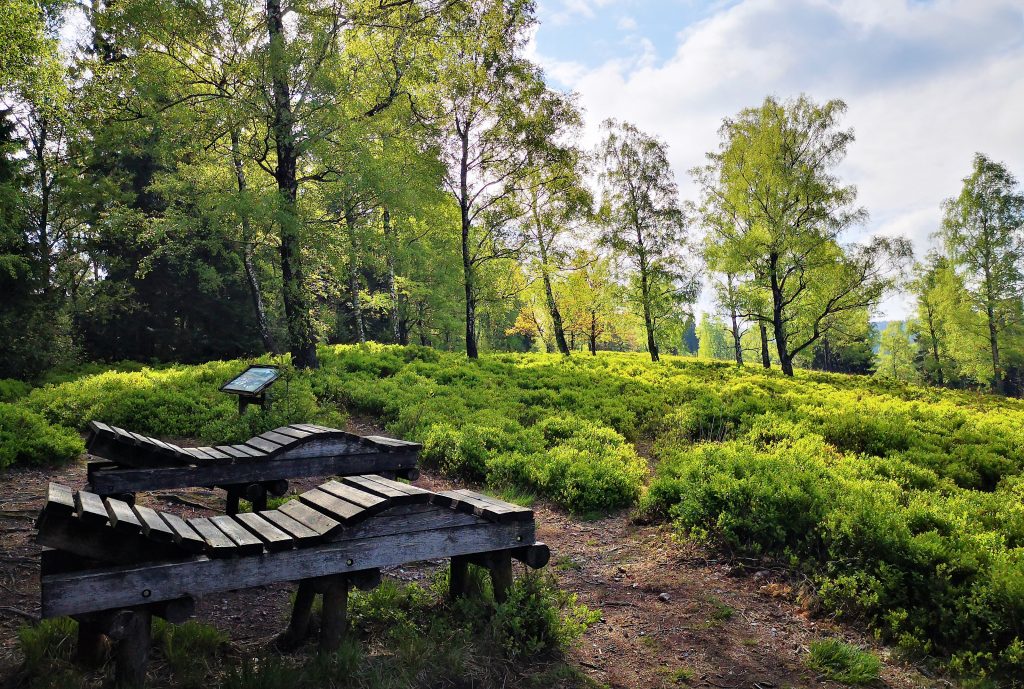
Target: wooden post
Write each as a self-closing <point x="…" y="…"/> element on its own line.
<point x="298" y="626"/>
<point x="458" y="577"/>
<point x="92" y="646"/>
<point x="133" y="650"/>
<point x="500" y="566"/>
<point x="335" y="610"/>
<point x="232" y="501"/>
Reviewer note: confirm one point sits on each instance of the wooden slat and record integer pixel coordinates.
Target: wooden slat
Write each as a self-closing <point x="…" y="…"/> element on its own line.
<point x="123" y="436"/>
<point x="365" y="483"/>
<point x="250" y="451"/>
<point x="121" y="516"/>
<point x="271" y="536"/>
<point x="261" y="444"/>
<point x="217" y="544"/>
<point x="90" y="508"/>
<point x="152" y="525"/>
<point x="142" y="441"/>
<point x="519" y="511"/>
<point x="308" y="428"/>
<point x="301" y="533"/>
<point x="216" y="454"/>
<point x="371" y="503"/>
<point x="164" y="447"/>
<point x="283" y="440"/>
<point x="60" y="500"/>
<point x="416" y="493"/>
<point x="332" y="506"/>
<point x="247" y="543"/>
<point x="310" y="518"/>
<point x="199" y="453"/>
<point x="184" y="535"/>
<point x="293" y="432"/>
<point x="232" y="452"/>
<point x="101" y="429"/>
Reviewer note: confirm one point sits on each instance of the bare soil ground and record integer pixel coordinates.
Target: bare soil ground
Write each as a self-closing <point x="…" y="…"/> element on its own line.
<point x="671" y="615"/>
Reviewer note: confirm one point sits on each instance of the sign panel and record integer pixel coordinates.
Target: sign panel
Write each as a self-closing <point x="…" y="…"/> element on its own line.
<point x="253" y="380"/>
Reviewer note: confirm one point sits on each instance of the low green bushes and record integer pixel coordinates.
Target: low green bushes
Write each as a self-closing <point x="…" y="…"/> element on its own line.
<point x="842" y="662"/>
<point x="26" y="438"/>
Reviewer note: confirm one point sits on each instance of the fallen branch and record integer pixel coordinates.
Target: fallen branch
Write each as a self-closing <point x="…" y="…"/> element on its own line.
<point x="20" y="613"/>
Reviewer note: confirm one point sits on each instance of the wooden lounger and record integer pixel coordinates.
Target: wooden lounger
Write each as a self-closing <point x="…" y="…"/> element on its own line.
<point x="129" y="462"/>
<point x="113" y="565"/>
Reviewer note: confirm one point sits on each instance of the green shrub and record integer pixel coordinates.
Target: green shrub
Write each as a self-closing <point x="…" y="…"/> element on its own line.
<point x="26" y="438"/>
<point x="841" y="662"/>
<point x="538" y="618"/>
<point x="45" y="642"/>
<point x="11" y="389"/>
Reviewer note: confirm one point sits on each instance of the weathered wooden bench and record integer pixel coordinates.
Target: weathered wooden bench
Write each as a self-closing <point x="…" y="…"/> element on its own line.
<point x="112" y="566"/>
<point x="128" y="462"/>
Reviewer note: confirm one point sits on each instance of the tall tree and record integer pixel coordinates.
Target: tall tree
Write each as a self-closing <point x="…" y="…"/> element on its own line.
<point x="496" y="122"/>
<point x="772" y="178"/>
<point x="643" y="222"/>
<point x="983" y="231"/>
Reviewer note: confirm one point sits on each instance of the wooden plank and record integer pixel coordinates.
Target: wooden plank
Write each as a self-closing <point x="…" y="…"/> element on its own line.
<point x="334" y="507"/>
<point x="365" y="483"/>
<point x="297" y="433"/>
<point x="371" y="503"/>
<point x="90" y="508"/>
<point x="252" y="470"/>
<point x="392" y="442"/>
<point x="142" y="441"/>
<point x="280" y="439"/>
<point x="184" y="535"/>
<point x="249" y="451"/>
<point x="122" y="436"/>
<point x="60" y="500"/>
<point x="232" y="452"/>
<point x="517" y="511"/>
<point x="271" y="536"/>
<point x="247" y="543"/>
<point x="101" y="429"/>
<point x="310" y="518"/>
<point x="217" y="544"/>
<point x="215" y="453"/>
<point x="261" y="444"/>
<point x="74" y="593"/>
<point x="152" y="525"/>
<point x="307" y="427"/>
<point x="164" y="447"/>
<point x="121" y="516"/>
<point x="103" y="544"/>
<point x="303" y="535"/>
<point x="199" y="453"/>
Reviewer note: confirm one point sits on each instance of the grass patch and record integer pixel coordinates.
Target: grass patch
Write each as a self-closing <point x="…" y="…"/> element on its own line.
<point x="842" y="662"/>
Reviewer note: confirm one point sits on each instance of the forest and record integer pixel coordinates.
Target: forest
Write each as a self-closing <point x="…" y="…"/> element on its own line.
<point x="186" y="181"/>
<point x="389" y="201"/>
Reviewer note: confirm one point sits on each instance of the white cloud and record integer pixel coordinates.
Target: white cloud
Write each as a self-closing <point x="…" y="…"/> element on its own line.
<point x="627" y="24"/>
<point x="927" y="84"/>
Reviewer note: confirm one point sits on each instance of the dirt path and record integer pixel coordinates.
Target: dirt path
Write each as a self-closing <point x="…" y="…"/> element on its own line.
<point x="670" y="617"/>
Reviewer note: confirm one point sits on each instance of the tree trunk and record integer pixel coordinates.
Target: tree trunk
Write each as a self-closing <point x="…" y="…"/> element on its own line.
<point x="301" y="334"/>
<point x="645" y="296"/>
<point x="556" y="315"/>
<point x="389" y="248"/>
<point x="353" y="272"/>
<point x="736" y="339"/>
<point x="467" y="260"/>
<point x="43" y="221"/>
<point x="766" y="358"/>
<point x="935" y="349"/>
<point x="781" y="344"/>
<point x="251" y="278"/>
<point x="993" y="337"/>
<point x="592" y="337"/>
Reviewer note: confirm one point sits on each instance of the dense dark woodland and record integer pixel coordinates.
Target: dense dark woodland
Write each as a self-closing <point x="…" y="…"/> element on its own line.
<point x="194" y="184"/>
<point x="193" y="181"/>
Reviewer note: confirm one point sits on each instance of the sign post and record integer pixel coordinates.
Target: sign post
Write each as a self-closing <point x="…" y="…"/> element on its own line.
<point x="251" y="385"/>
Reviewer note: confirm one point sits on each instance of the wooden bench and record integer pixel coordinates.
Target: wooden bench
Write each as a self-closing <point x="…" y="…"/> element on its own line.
<point x="127" y="462"/>
<point x="112" y="565"/>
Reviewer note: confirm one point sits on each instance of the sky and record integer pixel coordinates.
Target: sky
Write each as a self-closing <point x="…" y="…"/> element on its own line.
<point x="927" y="83"/>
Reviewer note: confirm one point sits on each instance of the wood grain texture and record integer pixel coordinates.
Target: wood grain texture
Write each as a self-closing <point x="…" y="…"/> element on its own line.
<point x="65" y="594"/>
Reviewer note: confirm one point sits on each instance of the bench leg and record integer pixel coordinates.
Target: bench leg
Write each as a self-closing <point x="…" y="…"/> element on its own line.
<point x="133" y="650"/>
<point x="458" y="577"/>
<point x="298" y="626"/>
<point x="232" y="502"/>
<point x="335" y="615"/>
<point x="92" y="646"/>
<point x="500" y="566"/>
